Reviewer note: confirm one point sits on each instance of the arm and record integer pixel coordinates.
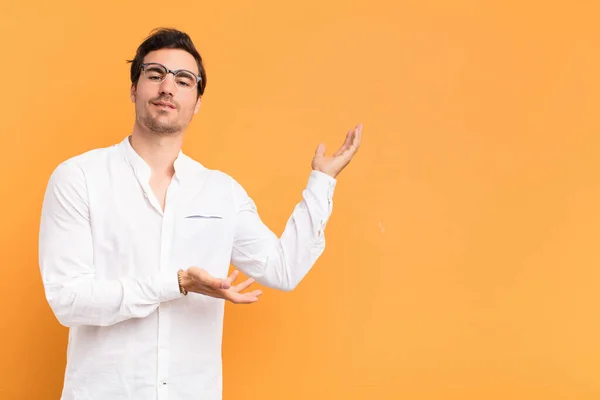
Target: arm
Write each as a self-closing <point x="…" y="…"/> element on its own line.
<point x="281" y="263"/>
<point x="75" y="295"/>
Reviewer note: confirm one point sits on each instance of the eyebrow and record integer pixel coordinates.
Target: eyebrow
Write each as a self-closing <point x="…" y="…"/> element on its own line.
<point x="180" y="69"/>
<point x="186" y="70"/>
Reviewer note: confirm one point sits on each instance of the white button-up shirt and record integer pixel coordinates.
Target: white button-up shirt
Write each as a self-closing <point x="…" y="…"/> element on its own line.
<point x="109" y="258"/>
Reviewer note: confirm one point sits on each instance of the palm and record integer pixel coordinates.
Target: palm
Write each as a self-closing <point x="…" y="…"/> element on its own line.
<point x="234" y="293"/>
<point x="333" y="165"/>
<point x="208" y="285"/>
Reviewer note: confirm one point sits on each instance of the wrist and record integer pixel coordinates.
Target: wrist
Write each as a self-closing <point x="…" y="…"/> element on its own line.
<point x="329" y="173"/>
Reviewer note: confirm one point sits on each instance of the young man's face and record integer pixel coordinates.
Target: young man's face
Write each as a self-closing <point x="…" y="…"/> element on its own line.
<point x="166" y="108"/>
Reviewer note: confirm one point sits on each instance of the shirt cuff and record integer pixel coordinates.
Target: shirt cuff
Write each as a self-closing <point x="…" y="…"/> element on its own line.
<point x="169" y="286"/>
<point x="321" y="184"/>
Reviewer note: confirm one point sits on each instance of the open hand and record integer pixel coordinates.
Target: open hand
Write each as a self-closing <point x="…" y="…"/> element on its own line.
<point x="198" y="280"/>
<point x="335" y="164"/>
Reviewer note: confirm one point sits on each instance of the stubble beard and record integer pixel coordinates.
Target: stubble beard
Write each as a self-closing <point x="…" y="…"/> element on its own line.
<point x="153" y="122"/>
<point x="161" y="128"/>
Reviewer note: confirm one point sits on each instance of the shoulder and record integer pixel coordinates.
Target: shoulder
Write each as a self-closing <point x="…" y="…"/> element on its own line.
<point x="81" y="163"/>
<point x="74" y="169"/>
<point x="223" y="187"/>
<point x="214" y="177"/>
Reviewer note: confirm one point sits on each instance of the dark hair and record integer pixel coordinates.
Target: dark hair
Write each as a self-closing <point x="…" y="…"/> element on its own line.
<point x="166" y="38"/>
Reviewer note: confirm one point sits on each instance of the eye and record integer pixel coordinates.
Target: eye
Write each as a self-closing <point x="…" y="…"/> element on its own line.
<point x="185" y="80"/>
<point x="154" y="73"/>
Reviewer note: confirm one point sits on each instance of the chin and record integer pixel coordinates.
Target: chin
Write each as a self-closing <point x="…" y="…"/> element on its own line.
<point x="166" y="130"/>
<point x="162" y="128"/>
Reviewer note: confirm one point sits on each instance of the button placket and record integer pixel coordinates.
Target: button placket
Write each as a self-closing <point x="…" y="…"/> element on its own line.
<point x="164" y="314"/>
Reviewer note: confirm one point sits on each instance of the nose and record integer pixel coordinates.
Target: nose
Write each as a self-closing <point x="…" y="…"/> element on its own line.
<point x="167" y="87"/>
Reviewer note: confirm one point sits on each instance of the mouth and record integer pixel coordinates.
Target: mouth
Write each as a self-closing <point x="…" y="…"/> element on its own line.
<point x="163" y="105"/>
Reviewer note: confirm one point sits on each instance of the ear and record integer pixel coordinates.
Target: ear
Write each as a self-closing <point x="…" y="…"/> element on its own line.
<point x="132" y="93"/>
<point x="198" y="105"/>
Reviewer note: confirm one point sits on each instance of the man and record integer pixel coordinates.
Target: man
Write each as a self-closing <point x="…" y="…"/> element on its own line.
<point x="136" y="241"/>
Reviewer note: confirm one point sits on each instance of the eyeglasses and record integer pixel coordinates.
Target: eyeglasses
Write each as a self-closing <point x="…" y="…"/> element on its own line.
<point x="157" y="73"/>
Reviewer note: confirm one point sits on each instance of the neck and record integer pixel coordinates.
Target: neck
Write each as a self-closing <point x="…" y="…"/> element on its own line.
<point x="159" y="151"/>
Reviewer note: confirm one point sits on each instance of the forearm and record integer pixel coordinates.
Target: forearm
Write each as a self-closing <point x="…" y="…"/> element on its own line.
<point x="283" y="262"/>
<point x="66" y="256"/>
<point x="295" y="252"/>
<point x="85" y="300"/>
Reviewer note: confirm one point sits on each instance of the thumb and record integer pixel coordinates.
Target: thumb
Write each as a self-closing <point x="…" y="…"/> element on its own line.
<point x="224" y="284"/>
<point x="217" y="283"/>
<point x="320" y="150"/>
<point x="213" y="282"/>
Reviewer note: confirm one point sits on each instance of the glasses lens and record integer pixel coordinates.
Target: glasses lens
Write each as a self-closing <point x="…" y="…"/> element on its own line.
<point x="155" y="72"/>
<point x="185" y="80"/>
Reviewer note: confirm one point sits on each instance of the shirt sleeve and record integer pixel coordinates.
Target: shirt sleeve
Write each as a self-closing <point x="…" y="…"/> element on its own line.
<point x="281" y="263"/>
<point x="74" y="293"/>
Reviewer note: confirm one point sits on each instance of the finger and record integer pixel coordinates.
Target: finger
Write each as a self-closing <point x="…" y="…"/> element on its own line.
<point x="351" y="139"/>
<point x="360" y="128"/>
<point x="231" y="279"/>
<point x="234" y="275"/>
<point x="355" y="142"/>
<point x="254" y="293"/>
<point x="346" y="144"/>
<point x="320" y="150"/>
<point x="244" y="285"/>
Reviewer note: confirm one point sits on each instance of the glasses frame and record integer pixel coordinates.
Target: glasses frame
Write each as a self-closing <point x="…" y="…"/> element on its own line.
<point x="174" y="72"/>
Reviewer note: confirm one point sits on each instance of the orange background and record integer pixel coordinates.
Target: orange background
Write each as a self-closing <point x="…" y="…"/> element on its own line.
<point x="462" y="258"/>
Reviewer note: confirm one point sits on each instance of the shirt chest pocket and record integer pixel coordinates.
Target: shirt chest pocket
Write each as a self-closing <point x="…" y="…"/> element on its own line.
<point x="203" y="224"/>
<point x="204" y="238"/>
<point x="205" y="229"/>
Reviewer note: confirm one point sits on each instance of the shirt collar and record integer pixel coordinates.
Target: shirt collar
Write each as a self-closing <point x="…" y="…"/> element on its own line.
<point x="142" y="169"/>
